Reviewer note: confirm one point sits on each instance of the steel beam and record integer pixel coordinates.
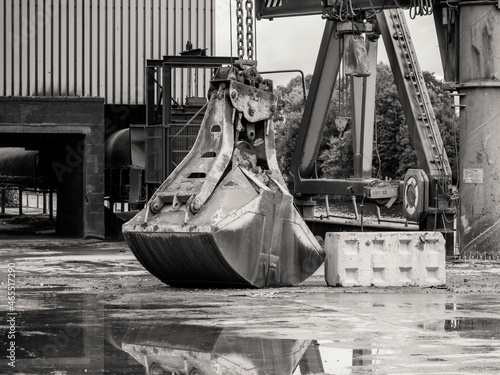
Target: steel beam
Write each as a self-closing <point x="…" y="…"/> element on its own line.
<point x="187" y="61"/>
<point x="446" y="23"/>
<point x="330" y="186"/>
<point x="290" y="8"/>
<point x="308" y="7"/>
<point x="320" y="93"/>
<point x="150" y="95"/>
<point x="166" y="117"/>
<point x="415" y="101"/>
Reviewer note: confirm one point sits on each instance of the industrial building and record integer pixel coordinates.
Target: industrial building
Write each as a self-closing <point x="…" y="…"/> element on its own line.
<point x="72" y="73"/>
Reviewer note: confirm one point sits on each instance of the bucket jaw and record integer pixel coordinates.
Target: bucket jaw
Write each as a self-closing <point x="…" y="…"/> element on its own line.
<point x="224" y="217"/>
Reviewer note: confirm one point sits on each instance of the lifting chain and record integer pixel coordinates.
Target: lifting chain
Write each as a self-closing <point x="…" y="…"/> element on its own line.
<point x="249" y="6"/>
<point x="249" y="29"/>
<point x="239" y="26"/>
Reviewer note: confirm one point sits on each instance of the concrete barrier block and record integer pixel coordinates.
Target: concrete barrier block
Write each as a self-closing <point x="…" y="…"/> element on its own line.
<point x="385" y="259"/>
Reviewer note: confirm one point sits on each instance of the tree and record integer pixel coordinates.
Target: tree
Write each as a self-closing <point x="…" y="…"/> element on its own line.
<point x="393" y="149"/>
<point x="287" y="119"/>
<point x="336" y="160"/>
<point x="11" y="198"/>
<point x="392" y="141"/>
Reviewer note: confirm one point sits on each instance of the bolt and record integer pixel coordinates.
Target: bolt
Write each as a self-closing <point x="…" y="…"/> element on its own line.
<point x="156" y="206"/>
<point x="195" y="205"/>
<point x="251" y="111"/>
<point x="234" y="94"/>
<point x="273" y="108"/>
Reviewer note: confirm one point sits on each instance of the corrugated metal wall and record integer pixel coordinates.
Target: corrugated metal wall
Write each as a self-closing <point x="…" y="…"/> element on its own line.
<point x="98" y="47"/>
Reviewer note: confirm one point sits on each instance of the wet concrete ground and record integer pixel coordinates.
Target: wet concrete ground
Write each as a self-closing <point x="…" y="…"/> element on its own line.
<point x="88" y="307"/>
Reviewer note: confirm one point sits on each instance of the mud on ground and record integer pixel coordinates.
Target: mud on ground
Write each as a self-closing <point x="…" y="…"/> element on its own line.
<point x="94" y="266"/>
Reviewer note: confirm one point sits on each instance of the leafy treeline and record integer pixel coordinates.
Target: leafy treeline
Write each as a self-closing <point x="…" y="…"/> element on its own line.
<point x="393" y="151"/>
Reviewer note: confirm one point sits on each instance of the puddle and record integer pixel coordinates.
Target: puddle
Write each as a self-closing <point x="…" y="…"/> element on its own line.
<point x="77" y="333"/>
<point x="76" y="340"/>
<point x="193" y="349"/>
<point x="483" y="328"/>
<point x="477" y="327"/>
<point x="483" y="305"/>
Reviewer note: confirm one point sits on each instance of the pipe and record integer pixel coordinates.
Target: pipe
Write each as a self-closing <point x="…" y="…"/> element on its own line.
<point x="479" y="122"/>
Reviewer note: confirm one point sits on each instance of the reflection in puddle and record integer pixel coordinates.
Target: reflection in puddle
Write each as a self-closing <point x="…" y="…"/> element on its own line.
<point x="199" y="350"/>
<point x="489" y="327"/>
<point x="485" y="328"/>
<point x="483" y="305"/>
<point x="185" y="349"/>
<point x="340" y="361"/>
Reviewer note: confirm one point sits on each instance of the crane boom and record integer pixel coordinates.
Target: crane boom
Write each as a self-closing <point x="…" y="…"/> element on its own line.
<point x="269" y="9"/>
<point x="417" y="107"/>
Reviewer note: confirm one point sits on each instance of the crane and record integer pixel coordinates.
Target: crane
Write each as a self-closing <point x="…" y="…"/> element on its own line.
<point x="224" y="216"/>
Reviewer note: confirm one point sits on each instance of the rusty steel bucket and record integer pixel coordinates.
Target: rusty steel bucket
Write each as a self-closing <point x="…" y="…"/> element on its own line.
<point x="224" y="217"/>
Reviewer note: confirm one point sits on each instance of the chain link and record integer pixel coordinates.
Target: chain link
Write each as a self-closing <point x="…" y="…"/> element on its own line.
<point x="239" y="26"/>
<point x="249" y="8"/>
<point x="249" y="29"/>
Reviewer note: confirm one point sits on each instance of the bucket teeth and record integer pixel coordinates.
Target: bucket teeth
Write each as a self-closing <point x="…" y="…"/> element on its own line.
<point x="224" y="217"/>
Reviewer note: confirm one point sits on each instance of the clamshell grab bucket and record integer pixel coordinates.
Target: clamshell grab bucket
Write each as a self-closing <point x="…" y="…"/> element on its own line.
<point x="224" y="216"/>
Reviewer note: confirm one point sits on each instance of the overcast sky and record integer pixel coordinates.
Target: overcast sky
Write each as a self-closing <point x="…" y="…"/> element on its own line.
<point x="293" y="42"/>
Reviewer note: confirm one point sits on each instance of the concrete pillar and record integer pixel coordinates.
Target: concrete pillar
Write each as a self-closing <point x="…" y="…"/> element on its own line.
<point x="93" y="185"/>
<point x="479" y="80"/>
<point x="51" y="204"/>
<point x="4" y="200"/>
<point x="20" y="201"/>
